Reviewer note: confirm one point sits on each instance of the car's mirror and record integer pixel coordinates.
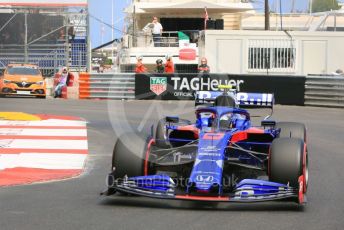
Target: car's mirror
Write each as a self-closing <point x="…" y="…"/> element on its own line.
<point x="172" y="119"/>
<point x="268" y="123"/>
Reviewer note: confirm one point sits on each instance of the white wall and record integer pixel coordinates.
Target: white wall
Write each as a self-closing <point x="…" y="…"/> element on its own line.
<point x="316" y="52"/>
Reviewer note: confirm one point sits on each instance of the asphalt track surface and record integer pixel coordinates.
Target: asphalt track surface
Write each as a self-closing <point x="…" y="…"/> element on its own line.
<point x="76" y="204"/>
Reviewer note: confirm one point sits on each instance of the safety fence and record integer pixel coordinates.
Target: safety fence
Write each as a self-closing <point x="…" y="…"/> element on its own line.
<point x="288" y="90"/>
<point x="178" y="68"/>
<point x="106" y="86"/>
<point x="182" y="86"/>
<point x="48" y="37"/>
<point x="49" y="57"/>
<point x="144" y="39"/>
<point x="327" y="91"/>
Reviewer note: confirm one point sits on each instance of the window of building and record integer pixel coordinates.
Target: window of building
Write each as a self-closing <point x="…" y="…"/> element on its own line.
<point x="271" y="55"/>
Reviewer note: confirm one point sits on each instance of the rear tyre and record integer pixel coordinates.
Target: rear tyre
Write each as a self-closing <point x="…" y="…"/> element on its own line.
<point x="286" y="161"/>
<point x="292" y="130"/>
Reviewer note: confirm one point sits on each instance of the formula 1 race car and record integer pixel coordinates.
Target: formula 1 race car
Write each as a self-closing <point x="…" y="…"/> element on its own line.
<point x="221" y="157"/>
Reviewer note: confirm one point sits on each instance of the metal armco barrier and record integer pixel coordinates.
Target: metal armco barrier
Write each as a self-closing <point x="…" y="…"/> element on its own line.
<point x="327" y="91"/>
<point x="106" y="86"/>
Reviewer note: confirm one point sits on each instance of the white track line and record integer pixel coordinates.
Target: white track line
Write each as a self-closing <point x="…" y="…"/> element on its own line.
<point x="50" y="122"/>
<point x="44" y="144"/>
<point x="44" y="132"/>
<point x="42" y="161"/>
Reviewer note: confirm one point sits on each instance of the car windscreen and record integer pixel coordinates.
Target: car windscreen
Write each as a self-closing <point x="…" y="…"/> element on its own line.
<point x="23" y="71"/>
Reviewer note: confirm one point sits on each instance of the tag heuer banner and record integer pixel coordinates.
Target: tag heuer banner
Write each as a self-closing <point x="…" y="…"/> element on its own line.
<point x="158" y="85"/>
<point x="288" y="90"/>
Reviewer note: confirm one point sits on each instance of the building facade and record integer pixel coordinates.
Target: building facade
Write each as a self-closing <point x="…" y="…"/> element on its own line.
<point x="186" y="16"/>
<point x="273" y="52"/>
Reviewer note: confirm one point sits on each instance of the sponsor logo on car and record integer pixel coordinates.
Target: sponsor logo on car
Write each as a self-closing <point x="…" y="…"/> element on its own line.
<point x="158" y="85"/>
<point x="255" y="98"/>
<point x="204" y="178"/>
<point x="263" y="99"/>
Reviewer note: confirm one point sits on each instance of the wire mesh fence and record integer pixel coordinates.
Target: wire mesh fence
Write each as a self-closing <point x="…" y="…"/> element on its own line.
<point x="49" y="57"/>
<point x="50" y="38"/>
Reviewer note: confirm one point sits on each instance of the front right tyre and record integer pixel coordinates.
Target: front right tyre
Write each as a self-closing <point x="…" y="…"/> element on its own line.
<point x="286" y="161"/>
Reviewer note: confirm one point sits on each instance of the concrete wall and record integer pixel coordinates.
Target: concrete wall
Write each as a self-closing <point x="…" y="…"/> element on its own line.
<point x="316" y="52"/>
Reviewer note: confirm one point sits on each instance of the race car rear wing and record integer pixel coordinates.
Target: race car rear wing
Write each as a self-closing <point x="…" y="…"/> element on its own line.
<point x="255" y="100"/>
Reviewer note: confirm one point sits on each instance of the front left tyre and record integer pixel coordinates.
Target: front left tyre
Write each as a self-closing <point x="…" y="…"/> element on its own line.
<point x="286" y="161"/>
<point x="128" y="159"/>
<point x="129" y="155"/>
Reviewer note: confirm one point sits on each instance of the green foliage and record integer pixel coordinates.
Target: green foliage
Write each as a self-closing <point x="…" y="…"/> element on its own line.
<point x="324" y="5"/>
<point x="108" y="62"/>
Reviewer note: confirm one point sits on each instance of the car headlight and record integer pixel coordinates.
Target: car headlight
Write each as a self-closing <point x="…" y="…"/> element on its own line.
<point x="41" y="83"/>
<point x="7" y="81"/>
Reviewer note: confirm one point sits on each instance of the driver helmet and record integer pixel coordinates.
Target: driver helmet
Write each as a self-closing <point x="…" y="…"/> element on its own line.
<point x="227" y="121"/>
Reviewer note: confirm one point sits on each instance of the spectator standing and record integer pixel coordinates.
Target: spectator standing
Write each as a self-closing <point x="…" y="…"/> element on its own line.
<point x="157" y="32"/>
<point x="169" y="66"/>
<point x="203" y="67"/>
<point x="140" y="68"/>
<point x="159" y="66"/>
<point x="63" y="81"/>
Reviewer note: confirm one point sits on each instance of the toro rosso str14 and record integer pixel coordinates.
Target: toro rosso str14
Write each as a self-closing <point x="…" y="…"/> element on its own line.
<point x="220" y="157"/>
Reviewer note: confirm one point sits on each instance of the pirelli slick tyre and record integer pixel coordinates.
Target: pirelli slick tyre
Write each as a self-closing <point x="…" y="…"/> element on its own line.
<point x="286" y="161"/>
<point x="292" y="130"/>
<point x="129" y="155"/>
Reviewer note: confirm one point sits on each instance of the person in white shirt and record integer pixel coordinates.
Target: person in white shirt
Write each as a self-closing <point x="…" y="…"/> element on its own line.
<point x="157" y="32"/>
<point x="63" y="81"/>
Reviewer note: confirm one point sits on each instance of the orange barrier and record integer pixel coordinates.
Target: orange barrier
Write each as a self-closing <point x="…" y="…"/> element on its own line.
<point x="84" y="86"/>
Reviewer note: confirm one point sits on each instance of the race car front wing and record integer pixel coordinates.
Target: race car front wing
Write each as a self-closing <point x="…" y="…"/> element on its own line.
<point x="163" y="187"/>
